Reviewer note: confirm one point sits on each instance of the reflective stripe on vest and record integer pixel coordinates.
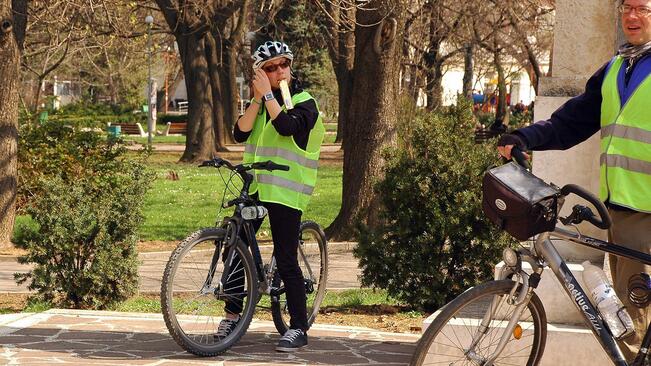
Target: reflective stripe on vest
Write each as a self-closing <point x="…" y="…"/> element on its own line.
<point x="291" y="188"/>
<point x="625" y="161"/>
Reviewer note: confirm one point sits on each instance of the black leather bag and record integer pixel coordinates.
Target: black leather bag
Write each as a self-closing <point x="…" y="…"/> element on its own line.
<point x="519" y="202"/>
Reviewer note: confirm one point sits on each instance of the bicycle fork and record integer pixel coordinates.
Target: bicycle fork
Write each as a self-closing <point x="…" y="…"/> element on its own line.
<point x="521" y="300"/>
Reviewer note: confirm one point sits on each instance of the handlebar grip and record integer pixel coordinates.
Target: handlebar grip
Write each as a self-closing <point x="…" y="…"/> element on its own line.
<point x="273" y="166"/>
<point x="518" y="156"/>
<point x="604" y="222"/>
<point x="269" y="165"/>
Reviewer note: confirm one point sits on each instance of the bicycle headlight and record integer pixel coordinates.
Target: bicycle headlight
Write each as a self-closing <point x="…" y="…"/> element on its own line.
<point x="254" y="212"/>
<point x="511" y="257"/>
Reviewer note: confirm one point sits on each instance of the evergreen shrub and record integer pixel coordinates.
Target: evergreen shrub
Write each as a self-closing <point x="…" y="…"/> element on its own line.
<point x="84" y="196"/>
<point x="433" y="241"/>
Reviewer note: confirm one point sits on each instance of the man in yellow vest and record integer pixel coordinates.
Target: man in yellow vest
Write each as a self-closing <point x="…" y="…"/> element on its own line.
<point x="287" y="132"/>
<point x="616" y="102"/>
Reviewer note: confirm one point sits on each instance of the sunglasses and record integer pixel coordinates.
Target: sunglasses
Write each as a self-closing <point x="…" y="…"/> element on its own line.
<point x="271" y="68"/>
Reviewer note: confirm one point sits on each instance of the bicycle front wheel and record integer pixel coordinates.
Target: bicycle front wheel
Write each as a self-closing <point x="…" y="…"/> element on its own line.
<point x="313" y="260"/>
<point x="449" y="339"/>
<point x="203" y="281"/>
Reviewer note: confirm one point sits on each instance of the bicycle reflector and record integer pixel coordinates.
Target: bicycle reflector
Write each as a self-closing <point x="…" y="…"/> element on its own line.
<point x="639" y="286"/>
<point x="517" y="331"/>
<point x="254" y="212"/>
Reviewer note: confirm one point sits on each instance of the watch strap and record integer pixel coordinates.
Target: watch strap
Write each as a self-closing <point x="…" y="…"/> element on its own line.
<point x="269" y="96"/>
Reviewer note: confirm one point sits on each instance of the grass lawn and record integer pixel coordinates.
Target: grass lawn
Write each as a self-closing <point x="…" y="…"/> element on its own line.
<point x="175" y="208"/>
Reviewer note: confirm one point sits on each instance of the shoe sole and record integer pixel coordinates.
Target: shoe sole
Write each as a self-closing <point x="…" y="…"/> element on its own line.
<point x="289" y="349"/>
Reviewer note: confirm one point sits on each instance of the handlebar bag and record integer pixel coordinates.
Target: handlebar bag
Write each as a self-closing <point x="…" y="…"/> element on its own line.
<point x="519" y="202"/>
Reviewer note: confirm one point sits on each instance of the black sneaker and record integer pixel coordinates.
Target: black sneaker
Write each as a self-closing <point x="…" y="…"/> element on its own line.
<point x="292" y="340"/>
<point x="225" y="328"/>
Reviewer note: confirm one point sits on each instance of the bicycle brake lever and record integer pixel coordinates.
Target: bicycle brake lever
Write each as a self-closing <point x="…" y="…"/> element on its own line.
<point x="579" y="213"/>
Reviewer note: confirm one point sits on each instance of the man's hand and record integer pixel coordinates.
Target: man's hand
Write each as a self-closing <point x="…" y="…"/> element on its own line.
<point x="507" y="141"/>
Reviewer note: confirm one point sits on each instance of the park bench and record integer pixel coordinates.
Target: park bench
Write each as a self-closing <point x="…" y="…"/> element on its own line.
<point x="130" y="128"/>
<point x="175" y="129"/>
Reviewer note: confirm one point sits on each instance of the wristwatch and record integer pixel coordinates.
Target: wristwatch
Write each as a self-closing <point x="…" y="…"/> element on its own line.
<point x="269" y="96"/>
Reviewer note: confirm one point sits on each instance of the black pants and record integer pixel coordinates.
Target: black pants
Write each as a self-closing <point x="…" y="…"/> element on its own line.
<point x="285" y="224"/>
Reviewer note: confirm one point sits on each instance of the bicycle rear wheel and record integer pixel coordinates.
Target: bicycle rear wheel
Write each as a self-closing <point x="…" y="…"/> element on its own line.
<point x="197" y="287"/>
<point x="313" y="260"/>
<point x="447" y="341"/>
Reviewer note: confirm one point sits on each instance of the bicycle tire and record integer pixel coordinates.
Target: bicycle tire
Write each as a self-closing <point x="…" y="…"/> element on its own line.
<point x="460" y="310"/>
<point x="182" y="326"/>
<point x="308" y="229"/>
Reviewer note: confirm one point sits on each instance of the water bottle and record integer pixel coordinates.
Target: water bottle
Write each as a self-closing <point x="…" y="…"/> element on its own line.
<point x="610" y="307"/>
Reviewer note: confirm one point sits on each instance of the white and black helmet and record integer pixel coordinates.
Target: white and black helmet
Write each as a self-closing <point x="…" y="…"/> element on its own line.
<point x="270" y="50"/>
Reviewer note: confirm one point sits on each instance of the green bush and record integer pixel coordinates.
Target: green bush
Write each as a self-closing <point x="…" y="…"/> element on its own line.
<point x="433" y="241"/>
<point x="85" y="201"/>
<point x="518" y="120"/>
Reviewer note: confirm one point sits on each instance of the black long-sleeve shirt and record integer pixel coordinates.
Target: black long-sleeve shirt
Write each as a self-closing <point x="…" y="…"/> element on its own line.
<point x="577" y="119"/>
<point x="296" y="122"/>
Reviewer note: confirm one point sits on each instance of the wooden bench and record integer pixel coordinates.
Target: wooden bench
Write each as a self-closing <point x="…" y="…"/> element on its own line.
<point x="130" y="128"/>
<point x="176" y="129"/>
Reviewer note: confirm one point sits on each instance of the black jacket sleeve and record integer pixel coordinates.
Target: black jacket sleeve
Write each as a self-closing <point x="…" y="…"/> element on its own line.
<point x="572" y="123"/>
<point x="298" y="120"/>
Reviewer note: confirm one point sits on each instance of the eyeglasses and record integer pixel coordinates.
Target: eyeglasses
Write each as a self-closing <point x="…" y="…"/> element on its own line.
<point x="271" y="68"/>
<point x="642" y="11"/>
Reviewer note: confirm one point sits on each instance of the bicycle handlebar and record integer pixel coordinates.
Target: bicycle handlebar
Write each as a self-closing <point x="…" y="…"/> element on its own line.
<point x="242" y="171"/>
<point x="269" y="165"/>
<point x="604" y="221"/>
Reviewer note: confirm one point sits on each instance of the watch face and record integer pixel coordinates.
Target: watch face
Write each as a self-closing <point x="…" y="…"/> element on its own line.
<point x="268" y="96"/>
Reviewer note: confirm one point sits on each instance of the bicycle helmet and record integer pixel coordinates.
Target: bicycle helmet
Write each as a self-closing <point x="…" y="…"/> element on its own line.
<point x="270" y="50"/>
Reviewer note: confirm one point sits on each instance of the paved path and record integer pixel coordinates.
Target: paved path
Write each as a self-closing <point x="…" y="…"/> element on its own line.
<point x="77" y="337"/>
<point x="343" y="272"/>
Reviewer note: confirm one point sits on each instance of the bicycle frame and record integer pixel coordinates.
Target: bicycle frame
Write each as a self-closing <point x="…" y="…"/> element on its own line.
<point x="544" y="247"/>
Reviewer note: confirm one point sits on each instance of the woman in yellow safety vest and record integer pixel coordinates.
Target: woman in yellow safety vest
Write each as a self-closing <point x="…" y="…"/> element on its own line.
<point x="289" y="135"/>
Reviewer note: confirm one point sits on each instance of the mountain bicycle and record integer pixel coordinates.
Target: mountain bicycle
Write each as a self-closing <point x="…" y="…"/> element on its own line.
<point x="504" y="321"/>
<point x="214" y="267"/>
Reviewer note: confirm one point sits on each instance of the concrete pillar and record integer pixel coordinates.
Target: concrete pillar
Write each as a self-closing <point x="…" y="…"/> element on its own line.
<point x="585" y="37"/>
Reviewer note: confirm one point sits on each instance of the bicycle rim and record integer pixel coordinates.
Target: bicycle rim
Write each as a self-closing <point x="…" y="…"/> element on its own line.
<point x="448" y="339"/>
<point x="313" y="260"/>
<point x="194" y="304"/>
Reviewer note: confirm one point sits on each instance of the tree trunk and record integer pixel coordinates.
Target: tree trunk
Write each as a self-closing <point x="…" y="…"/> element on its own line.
<point x="435" y="85"/>
<point x="342" y="55"/>
<point x="501" y="110"/>
<point x="37" y="94"/>
<point x="12" y="28"/>
<point x="200" y="140"/>
<point x="369" y="126"/>
<point x="344" y="74"/>
<point x="231" y="92"/>
<point x="215" y="69"/>
<point x="468" y="61"/>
